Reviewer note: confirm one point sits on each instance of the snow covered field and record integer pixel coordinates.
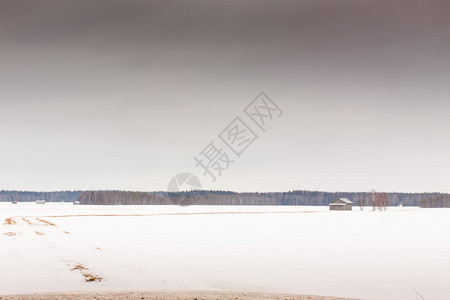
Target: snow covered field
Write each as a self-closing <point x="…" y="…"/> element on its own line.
<point x="305" y="250"/>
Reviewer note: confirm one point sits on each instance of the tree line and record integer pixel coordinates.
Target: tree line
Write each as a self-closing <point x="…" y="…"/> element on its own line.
<point x="442" y="200"/>
<point x="313" y="198"/>
<point x="298" y="197"/>
<point x="26" y="196"/>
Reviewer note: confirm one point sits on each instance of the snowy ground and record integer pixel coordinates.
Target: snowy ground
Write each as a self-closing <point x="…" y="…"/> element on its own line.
<point x="304" y="250"/>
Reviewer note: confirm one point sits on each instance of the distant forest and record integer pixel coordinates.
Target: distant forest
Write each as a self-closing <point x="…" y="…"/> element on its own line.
<point x="435" y="201"/>
<point x="22" y="196"/>
<point x="224" y="198"/>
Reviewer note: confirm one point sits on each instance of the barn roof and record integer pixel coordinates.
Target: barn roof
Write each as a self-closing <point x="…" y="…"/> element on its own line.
<point x="345" y="200"/>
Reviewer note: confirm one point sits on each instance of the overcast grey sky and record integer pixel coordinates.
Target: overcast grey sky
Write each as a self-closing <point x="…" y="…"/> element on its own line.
<point x="123" y="94"/>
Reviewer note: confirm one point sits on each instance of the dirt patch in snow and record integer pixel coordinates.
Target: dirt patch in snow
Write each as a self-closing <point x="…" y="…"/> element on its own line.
<point x="10" y="221"/>
<point x="47" y="223"/>
<point x="27" y="221"/>
<point x="88" y="276"/>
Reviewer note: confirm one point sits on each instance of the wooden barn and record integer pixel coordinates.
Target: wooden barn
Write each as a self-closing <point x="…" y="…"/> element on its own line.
<point x="341" y="204"/>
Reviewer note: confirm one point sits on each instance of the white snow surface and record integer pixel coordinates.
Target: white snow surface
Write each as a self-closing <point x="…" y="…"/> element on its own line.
<point x="288" y="249"/>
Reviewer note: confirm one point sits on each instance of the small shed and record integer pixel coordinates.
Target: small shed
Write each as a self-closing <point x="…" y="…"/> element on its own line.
<point x="40" y="201"/>
<point x="341" y="204"/>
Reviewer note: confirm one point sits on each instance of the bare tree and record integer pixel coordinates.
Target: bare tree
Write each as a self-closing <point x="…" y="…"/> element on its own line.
<point x="374" y="204"/>
<point x="384" y="201"/>
<point x="362" y="202"/>
<point x="380" y="201"/>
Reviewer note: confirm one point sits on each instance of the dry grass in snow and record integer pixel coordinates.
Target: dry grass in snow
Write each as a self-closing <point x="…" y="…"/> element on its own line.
<point x="10" y="221"/>
<point x="88" y="277"/>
